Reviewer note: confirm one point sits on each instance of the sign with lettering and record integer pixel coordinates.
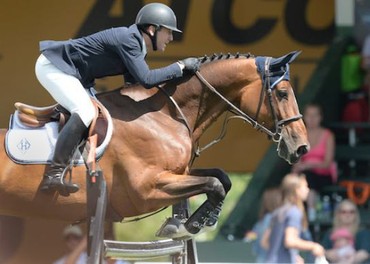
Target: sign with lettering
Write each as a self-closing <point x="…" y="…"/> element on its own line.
<point x="261" y="27"/>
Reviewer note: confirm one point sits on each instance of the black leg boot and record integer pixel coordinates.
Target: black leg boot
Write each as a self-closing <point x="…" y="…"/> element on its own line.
<point x="69" y="139"/>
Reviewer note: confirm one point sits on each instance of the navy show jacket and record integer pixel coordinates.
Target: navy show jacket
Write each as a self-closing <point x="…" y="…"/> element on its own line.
<point x="109" y="52"/>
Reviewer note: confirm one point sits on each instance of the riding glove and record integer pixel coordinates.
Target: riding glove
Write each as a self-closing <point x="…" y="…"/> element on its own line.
<point x="190" y="65"/>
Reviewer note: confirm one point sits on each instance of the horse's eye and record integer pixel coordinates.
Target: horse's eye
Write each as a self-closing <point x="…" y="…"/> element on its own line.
<point x="282" y="94"/>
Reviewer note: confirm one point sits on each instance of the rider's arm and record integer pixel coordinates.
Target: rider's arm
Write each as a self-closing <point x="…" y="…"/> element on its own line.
<point x="130" y="50"/>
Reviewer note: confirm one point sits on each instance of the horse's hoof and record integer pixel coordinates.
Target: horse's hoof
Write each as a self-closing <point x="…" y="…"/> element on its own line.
<point x="173" y="228"/>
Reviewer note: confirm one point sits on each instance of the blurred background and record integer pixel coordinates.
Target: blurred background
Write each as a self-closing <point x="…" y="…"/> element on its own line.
<point x="320" y="29"/>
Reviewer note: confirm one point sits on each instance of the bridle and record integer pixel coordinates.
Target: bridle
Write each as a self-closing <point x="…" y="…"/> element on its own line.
<point x="267" y="88"/>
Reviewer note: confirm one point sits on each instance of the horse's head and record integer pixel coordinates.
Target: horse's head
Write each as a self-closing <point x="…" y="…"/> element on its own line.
<point x="256" y="89"/>
<point x="278" y="109"/>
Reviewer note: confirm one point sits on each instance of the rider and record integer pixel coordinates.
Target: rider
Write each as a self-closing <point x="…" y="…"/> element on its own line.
<point x="67" y="68"/>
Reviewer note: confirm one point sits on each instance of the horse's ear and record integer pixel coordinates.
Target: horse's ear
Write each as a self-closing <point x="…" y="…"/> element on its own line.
<point x="286" y="59"/>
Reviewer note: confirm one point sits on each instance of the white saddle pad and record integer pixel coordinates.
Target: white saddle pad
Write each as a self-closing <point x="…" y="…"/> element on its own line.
<point x="27" y="145"/>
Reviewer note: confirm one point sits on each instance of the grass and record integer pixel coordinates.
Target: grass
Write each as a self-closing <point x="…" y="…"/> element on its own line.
<point x="145" y="229"/>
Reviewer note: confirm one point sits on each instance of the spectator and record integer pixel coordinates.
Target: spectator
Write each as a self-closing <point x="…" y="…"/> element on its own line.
<point x="110" y="235"/>
<point x="365" y="53"/>
<point x="282" y="239"/>
<point x="351" y="72"/>
<point x="343" y="246"/>
<point x="318" y="163"/>
<point x="356" y="107"/>
<point x="366" y="65"/>
<point x="271" y="199"/>
<point x="115" y="261"/>
<point x="76" y="245"/>
<point x="346" y="215"/>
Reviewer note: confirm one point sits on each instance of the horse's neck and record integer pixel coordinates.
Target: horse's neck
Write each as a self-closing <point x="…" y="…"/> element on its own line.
<point x="202" y="107"/>
<point x="199" y="105"/>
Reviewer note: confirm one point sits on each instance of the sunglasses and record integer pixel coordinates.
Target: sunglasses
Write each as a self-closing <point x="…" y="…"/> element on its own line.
<point x="346" y="211"/>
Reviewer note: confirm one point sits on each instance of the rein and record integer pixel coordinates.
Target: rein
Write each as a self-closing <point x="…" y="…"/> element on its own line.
<point x="235" y="109"/>
<point x="267" y="87"/>
<point x="177" y="108"/>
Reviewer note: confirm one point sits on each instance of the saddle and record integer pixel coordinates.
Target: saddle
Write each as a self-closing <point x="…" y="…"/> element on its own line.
<point x="36" y="117"/>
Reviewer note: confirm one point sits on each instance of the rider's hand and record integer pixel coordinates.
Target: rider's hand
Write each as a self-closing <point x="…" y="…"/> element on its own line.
<point x="190" y="65"/>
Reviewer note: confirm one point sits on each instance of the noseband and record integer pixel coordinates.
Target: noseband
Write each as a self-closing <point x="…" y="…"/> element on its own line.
<point x="267" y="87"/>
<point x="276" y="135"/>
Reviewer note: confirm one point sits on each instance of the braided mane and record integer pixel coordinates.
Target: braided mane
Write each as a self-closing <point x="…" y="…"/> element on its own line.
<point x="214" y="57"/>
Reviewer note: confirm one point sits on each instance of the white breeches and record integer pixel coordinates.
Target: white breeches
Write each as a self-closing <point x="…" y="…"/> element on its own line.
<point x="66" y="89"/>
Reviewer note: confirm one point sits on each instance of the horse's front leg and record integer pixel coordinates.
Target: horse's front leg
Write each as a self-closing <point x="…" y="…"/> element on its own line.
<point x="215" y="184"/>
<point x="208" y="213"/>
<point x="218" y="192"/>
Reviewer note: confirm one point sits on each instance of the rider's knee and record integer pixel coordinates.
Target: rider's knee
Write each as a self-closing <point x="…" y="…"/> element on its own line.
<point x="87" y="114"/>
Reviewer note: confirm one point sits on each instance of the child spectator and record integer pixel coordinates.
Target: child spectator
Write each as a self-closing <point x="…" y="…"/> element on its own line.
<point x="346" y="215"/>
<point x="271" y="200"/>
<point x="76" y="245"/>
<point x="282" y="239"/>
<point x="343" y="244"/>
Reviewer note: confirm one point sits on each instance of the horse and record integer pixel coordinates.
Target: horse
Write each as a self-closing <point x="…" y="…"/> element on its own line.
<point x="147" y="163"/>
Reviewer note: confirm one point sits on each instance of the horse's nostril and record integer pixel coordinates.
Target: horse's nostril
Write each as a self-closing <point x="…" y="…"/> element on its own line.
<point x="302" y="150"/>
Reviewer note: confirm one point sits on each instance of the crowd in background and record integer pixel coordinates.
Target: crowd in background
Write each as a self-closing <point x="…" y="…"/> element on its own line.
<point x="282" y="233"/>
<point x="283" y="236"/>
<point x="76" y="248"/>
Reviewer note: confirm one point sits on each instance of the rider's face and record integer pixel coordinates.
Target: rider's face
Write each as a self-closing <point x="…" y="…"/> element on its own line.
<point x="312" y="117"/>
<point x="164" y="36"/>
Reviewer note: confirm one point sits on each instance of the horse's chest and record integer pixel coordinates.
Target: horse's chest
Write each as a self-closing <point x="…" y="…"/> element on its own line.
<point x="173" y="144"/>
<point x="164" y="142"/>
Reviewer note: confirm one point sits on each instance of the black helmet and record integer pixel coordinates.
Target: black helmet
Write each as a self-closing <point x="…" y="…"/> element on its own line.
<point x="157" y="14"/>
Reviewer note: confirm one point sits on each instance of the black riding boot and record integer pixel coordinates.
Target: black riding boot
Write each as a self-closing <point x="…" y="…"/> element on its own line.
<point x="69" y="138"/>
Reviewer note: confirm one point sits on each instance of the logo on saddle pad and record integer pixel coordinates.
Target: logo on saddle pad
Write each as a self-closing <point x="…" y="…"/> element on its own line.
<point x="24" y="145"/>
<point x="35" y="145"/>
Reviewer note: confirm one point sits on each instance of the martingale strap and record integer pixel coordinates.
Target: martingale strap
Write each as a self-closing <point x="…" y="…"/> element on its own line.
<point x="183" y="117"/>
<point x="235" y="109"/>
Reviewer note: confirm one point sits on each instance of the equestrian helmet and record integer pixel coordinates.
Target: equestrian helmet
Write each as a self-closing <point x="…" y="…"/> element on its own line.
<point x="157" y="14"/>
